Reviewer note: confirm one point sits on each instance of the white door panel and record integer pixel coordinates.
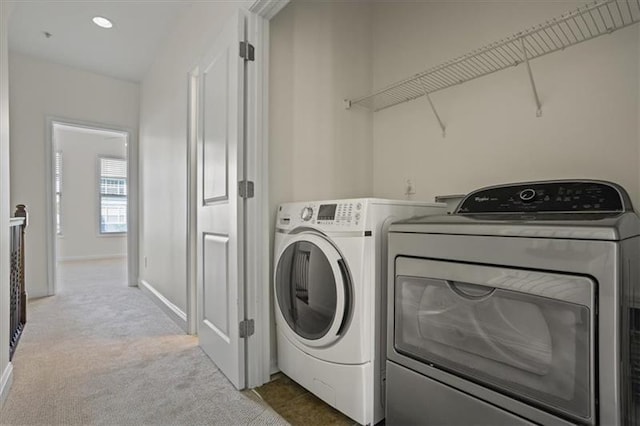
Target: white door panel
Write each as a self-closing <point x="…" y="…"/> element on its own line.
<point x="220" y="211"/>
<point x="215" y="285"/>
<point x="216" y="88"/>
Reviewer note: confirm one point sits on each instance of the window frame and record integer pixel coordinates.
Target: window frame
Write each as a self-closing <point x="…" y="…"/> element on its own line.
<point x="57" y="190"/>
<point x="100" y="195"/>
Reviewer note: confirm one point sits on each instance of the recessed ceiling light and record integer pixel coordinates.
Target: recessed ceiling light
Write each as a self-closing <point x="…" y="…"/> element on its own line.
<point x="102" y="22"/>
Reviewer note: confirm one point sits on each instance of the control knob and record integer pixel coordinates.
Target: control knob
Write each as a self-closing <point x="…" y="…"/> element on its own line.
<point x="306" y="214"/>
<point x="527" y="195"/>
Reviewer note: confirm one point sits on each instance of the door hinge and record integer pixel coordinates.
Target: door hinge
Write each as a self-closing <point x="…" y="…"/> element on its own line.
<point x="247" y="52"/>
<point x="246" y="328"/>
<point x="245" y="189"/>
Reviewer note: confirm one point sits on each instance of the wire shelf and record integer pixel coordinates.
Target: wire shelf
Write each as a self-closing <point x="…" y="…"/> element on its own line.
<point x="585" y="23"/>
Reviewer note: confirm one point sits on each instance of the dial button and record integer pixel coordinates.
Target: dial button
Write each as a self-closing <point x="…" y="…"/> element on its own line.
<point x="527" y="195"/>
<point x="306" y="214"/>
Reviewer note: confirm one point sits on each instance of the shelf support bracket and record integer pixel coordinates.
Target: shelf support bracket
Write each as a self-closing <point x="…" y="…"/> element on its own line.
<point x="433" y="108"/>
<point x="533" y="83"/>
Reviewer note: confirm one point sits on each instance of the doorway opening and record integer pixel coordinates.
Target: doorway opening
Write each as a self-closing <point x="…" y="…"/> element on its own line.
<point x="90" y="205"/>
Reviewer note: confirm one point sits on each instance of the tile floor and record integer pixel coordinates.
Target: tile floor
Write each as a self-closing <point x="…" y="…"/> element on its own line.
<point x="298" y="406"/>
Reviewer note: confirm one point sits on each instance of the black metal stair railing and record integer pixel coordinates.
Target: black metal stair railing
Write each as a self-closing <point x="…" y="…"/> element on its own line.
<point x="17" y="291"/>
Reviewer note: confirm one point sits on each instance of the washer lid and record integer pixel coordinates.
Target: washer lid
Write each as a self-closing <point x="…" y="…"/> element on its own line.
<point x="615" y="228"/>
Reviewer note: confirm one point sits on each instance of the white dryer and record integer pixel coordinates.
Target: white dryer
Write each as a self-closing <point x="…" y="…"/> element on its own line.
<point x="330" y="305"/>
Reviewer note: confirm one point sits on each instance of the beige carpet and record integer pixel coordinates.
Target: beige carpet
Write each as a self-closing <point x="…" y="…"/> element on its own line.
<point x="102" y="353"/>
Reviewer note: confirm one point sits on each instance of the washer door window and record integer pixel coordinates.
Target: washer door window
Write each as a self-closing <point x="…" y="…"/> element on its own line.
<point x="312" y="289"/>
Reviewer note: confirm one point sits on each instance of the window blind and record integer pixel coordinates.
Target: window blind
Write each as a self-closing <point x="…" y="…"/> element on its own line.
<point x="113" y="167"/>
<point x="58" y="172"/>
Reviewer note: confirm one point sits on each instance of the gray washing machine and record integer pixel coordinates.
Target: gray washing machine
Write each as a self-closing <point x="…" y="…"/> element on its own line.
<point x="521" y="308"/>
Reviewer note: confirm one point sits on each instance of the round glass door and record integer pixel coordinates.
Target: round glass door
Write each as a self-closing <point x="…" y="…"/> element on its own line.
<point x="311" y="289"/>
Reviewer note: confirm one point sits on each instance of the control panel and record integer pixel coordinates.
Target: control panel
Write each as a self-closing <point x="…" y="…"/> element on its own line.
<point x="347" y="213"/>
<point x="548" y="197"/>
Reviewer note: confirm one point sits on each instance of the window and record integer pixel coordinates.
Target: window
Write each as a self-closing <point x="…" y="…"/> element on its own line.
<point x="113" y="195"/>
<point x="58" y="183"/>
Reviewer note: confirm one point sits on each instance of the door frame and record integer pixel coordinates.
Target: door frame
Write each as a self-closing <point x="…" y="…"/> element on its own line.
<point x="258" y="226"/>
<point x="132" y="197"/>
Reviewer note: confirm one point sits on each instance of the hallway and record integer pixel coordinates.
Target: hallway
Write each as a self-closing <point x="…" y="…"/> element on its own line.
<point x="102" y="353"/>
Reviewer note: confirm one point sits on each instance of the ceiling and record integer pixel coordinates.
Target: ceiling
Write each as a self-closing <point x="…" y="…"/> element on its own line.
<point x="125" y="51"/>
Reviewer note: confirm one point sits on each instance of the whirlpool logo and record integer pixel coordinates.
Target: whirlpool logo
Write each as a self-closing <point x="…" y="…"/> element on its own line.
<point x="481" y="199"/>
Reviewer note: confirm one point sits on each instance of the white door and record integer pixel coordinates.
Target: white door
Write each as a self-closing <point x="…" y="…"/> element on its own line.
<point x="220" y="213"/>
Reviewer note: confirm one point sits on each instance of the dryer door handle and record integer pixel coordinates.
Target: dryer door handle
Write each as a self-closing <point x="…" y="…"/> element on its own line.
<point x="348" y="295"/>
<point x="473" y="292"/>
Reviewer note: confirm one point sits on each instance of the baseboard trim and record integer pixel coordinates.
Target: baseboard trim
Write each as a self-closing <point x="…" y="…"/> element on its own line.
<point x="95" y="257"/>
<point x="175" y="313"/>
<point x="32" y="295"/>
<point x="5" y="383"/>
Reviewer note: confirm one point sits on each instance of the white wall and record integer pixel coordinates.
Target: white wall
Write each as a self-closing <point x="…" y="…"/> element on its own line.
<point x="5" y="367"/>
<point x="40" y="89"/>
<point x="163" y="149"/>
<point x="589" y="94"/>
<point x="79" y="218"/>
<point x="320" y="55"/>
